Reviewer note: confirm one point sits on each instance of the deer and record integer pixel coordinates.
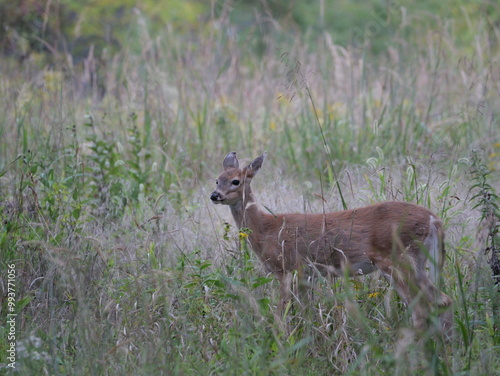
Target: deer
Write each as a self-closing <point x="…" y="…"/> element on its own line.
<point x="397" y="238"/>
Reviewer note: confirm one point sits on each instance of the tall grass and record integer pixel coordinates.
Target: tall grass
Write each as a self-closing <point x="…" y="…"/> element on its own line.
<point x="123" y="267"/>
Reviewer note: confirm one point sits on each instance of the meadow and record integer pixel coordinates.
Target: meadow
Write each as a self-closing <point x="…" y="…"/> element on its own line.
<point x="122" y="264"/>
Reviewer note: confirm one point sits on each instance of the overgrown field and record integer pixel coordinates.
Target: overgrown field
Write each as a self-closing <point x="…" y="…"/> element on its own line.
<point x="124" y="267"/>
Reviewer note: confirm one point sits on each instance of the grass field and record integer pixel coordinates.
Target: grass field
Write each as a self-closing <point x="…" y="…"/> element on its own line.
<point x="122" y="265"/>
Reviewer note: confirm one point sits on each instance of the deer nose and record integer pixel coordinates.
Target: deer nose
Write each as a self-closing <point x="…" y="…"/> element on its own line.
<point x="215" y="196"/>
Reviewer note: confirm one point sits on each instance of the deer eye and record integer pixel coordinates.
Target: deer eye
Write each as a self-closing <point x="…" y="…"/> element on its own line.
<point x="216" y="182"/>
<point x="235" y="182"/>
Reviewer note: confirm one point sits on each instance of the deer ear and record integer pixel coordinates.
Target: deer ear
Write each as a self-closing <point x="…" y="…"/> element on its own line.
<point x="252" y="169"/>
<point x="230" y="161"/>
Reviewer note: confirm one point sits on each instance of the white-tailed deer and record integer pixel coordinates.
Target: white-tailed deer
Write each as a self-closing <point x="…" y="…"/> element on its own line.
<point x="396" y="238"/>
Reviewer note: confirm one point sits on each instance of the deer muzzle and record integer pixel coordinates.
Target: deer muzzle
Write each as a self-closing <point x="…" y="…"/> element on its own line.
<point x="216" y="197"/>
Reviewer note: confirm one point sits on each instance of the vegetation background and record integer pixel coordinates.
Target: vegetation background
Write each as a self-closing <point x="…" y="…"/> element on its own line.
<point x="114" y="120"/>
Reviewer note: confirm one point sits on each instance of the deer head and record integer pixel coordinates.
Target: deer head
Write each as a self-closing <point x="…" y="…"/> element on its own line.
<point x="233" y="185"/>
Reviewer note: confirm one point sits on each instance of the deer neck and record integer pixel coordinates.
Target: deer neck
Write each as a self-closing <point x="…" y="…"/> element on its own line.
<point x="246" y="212"/>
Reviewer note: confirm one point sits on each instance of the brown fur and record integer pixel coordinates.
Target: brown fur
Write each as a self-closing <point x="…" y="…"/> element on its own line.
<point x="390" y="236"/>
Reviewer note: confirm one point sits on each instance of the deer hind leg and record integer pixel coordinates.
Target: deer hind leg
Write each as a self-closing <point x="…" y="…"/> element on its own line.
<point x="434" y="253"/>
<point x="403" y="280"/>
<point x="434" y="296"/>
<point x="414" y="287"/>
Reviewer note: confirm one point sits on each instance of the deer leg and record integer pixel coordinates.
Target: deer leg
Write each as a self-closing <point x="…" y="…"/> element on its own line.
<point x="285" y="280"/>
<point x="413" y="286"/>
<point x="437" y="298"/>
<point x="404" y="281"/>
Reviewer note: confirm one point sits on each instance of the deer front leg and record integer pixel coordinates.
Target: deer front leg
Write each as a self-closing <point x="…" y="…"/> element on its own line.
<point x="285" y="280"/>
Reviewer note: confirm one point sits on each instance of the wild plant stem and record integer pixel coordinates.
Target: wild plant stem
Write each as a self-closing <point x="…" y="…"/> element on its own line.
<point x="327" y="149"/>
